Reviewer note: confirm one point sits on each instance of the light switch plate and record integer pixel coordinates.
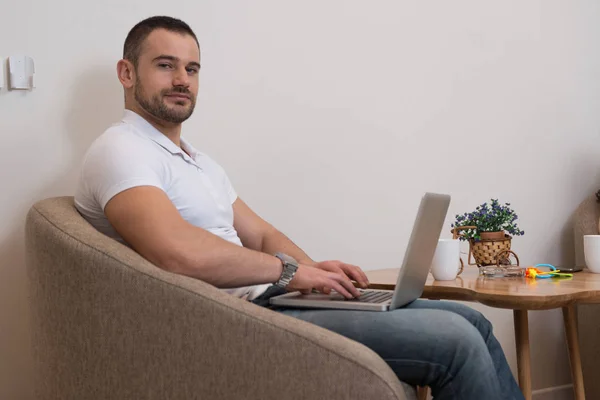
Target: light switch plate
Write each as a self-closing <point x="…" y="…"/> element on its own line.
<point x="20" y="71"/>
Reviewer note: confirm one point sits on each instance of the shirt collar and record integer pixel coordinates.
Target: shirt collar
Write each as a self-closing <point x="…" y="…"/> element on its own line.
<point x="146" y="128"/>
<point x="191" y="150"/>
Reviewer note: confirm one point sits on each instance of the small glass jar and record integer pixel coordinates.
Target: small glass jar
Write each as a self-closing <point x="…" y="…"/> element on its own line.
<point x="505" y="271"/>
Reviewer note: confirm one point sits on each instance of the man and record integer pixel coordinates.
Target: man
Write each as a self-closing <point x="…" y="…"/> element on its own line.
<point x="146" y="186"/>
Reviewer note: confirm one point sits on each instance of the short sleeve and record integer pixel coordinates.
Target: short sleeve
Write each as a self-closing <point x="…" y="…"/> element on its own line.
<point x="229" y="188"/>
<point x="219" y="177"/>
<point x="116" y="164"/>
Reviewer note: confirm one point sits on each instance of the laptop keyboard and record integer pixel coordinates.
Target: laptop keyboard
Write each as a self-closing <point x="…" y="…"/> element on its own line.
<point x="373" y="296"/>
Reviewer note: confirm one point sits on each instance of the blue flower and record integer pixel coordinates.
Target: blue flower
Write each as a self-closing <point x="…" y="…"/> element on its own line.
<point x="493" y="216"/>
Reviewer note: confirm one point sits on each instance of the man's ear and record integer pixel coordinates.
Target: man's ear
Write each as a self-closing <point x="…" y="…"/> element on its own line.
<point x="126" y="73"/>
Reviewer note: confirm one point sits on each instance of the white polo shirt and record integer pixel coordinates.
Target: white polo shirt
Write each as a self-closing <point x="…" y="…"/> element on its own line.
<point x="134" y="153"/>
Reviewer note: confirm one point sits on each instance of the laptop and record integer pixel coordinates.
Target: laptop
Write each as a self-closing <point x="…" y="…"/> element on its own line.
<point x="411" y="278"/>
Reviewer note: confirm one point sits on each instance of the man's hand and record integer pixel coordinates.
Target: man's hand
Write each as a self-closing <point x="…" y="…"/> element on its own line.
<point x="324" y="280"/>
<point x="351" y="271"/>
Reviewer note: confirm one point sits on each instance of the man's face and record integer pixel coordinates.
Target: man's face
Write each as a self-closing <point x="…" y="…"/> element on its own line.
<point x="167" y="76"/>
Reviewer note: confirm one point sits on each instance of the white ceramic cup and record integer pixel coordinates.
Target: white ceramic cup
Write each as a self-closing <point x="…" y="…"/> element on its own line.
<point x="591" y="250"/>
<point x="446" y="260"/>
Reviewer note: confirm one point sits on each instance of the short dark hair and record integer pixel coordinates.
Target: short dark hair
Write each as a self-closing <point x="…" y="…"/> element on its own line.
<point x="139" y="33"/>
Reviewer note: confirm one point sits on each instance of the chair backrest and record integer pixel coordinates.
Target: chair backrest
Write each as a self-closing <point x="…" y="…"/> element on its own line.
<point x="107" y="324"/>
<point x="586" y="220"/>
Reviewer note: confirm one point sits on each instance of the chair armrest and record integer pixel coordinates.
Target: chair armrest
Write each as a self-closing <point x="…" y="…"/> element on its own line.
<point x="107" y="324"/>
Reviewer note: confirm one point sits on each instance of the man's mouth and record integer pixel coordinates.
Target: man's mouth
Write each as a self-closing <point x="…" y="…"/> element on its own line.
<point x="179" y="96"/>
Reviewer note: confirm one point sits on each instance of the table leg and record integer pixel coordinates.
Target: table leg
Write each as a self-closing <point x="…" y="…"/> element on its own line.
<point x="523" y="357"/>
<point x="569" y="316"/>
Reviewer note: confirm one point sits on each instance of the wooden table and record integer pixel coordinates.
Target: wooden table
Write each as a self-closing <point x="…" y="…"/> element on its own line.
<point x="519" y="295"/>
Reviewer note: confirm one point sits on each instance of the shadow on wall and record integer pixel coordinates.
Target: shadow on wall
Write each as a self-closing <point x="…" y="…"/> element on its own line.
<point x="95" y="104"/>
<point x="585" y="172"/>
<point x="4" y="79"/>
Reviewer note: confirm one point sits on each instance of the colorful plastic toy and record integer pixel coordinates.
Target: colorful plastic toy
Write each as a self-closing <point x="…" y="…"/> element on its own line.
<point x="536" y="273"/>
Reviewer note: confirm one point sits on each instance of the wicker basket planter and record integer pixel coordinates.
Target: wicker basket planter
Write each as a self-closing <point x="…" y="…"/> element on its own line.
<point x="492" y="249"/>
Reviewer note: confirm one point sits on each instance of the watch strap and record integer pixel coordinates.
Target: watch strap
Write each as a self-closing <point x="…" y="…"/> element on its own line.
<point x="290" y="266"/>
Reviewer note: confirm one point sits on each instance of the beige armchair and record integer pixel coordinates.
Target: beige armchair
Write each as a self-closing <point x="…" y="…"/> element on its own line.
<point x="107" y="324"/>
<point x="586" y="221"/>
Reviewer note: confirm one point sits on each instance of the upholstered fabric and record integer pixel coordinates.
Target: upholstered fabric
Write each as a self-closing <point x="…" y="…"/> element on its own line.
<point x="107" y="324"/>
<point x="586" y="223"/>
<point x="587" y="217"/>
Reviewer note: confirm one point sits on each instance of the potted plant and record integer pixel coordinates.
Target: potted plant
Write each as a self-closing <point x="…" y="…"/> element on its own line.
<point x="488" y="229"/>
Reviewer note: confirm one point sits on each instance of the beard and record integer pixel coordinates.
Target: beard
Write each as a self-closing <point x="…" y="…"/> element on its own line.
<point x="157" y="107"/>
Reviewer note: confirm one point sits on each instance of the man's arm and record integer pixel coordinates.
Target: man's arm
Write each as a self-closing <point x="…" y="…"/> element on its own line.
<point x="148" y="221"/>
<point x="259" y="235"/>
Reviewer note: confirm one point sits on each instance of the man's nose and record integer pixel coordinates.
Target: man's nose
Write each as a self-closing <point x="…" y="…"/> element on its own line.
<point x="181" y="77"/>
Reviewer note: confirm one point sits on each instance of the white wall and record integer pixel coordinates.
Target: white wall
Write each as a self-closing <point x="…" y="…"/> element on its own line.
<point x="332" y="118"/>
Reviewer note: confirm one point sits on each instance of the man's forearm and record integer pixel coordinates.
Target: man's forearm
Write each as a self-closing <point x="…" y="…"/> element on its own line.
<point x="275" y="241"/>
<point x="205" y="256"/>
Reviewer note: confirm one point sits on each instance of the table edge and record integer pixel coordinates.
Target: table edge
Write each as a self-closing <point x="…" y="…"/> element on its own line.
<point x="507" y="301"/>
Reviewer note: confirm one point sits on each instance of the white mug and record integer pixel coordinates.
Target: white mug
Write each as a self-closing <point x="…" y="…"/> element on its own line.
<point x="446" y="260"/>
<point x="591" y="251"/>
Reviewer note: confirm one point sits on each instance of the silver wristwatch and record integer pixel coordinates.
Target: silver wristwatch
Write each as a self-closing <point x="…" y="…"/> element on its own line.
<point x="290" y="266"/>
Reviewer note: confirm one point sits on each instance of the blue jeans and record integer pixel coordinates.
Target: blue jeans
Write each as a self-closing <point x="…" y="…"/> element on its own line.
<point x="444" y="345"/>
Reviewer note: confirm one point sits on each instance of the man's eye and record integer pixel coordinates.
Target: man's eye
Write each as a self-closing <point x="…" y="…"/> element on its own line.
<point x="164" y="65"/>
<point x="192" y="71"/>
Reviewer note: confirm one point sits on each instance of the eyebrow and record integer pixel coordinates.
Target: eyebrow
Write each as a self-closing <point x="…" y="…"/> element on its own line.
<point x="175" y="59"/>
